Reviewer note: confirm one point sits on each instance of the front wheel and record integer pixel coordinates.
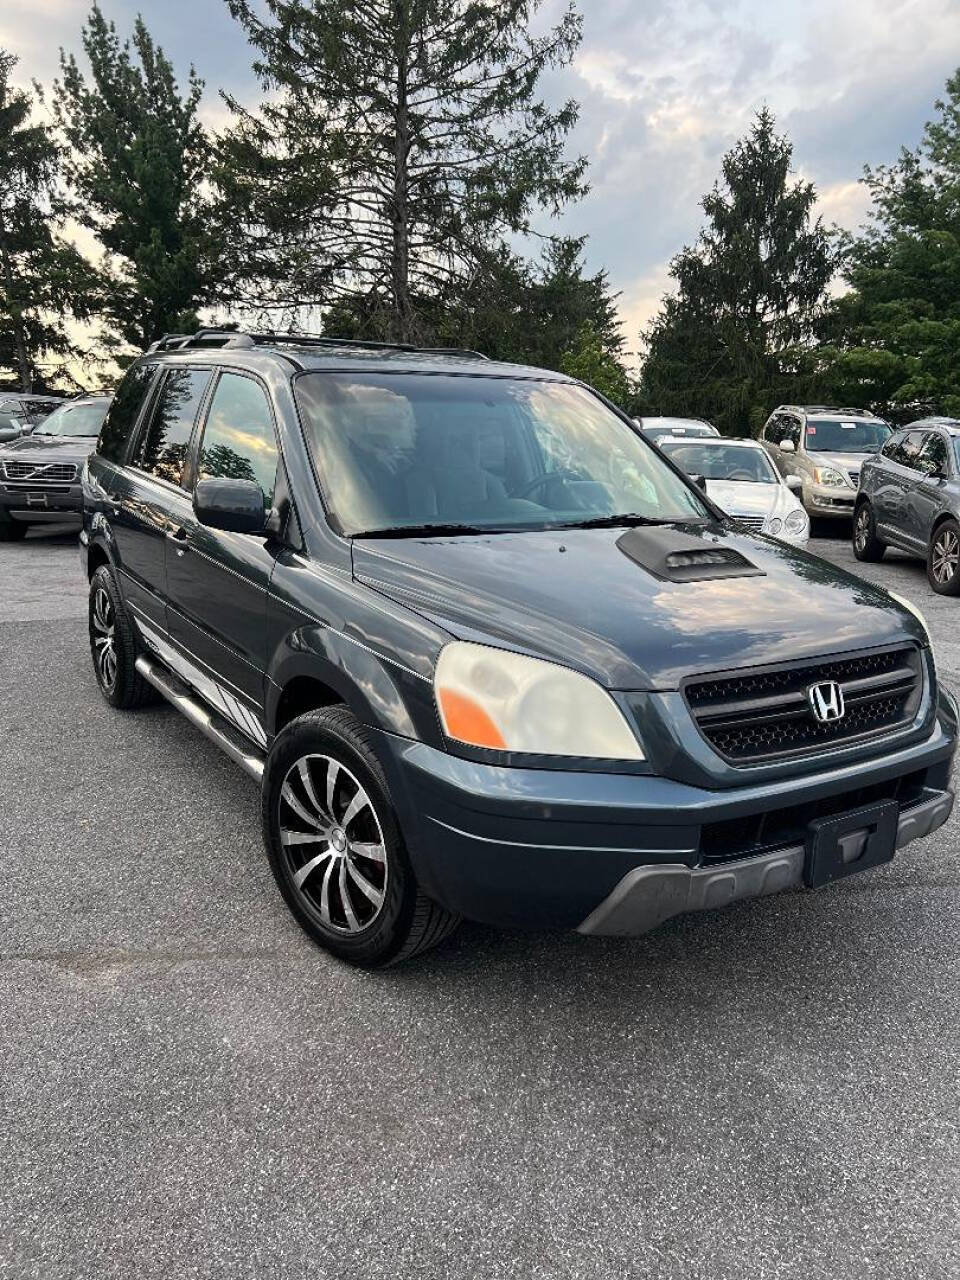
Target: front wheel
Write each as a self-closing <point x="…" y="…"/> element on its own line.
<point x="12" y="530"/>
<point x="866" y="545"/>
<point x="335" y="847"/>
<point x="943" y="559"/>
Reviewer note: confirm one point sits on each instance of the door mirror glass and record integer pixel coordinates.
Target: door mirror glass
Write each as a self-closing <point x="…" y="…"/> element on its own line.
<point x="787" y="446"/>
<point x="234" y="505"/>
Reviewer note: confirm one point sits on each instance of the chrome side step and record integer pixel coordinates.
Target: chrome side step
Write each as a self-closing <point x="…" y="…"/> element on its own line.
<point x="215" y="727"/>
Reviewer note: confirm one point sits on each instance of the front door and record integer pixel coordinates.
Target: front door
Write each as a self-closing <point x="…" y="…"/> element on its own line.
<point x="217" y="582"/>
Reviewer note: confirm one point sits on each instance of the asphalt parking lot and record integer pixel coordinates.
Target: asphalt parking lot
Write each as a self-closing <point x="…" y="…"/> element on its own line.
<point x="189" y="1089"/>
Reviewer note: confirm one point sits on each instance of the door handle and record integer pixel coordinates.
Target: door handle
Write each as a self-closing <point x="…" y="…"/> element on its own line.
<point x="180" y="537"/>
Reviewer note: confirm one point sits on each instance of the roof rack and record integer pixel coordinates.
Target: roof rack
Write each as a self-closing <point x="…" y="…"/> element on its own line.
<point x="223" y="338"/>
<point x="826" y="408"/>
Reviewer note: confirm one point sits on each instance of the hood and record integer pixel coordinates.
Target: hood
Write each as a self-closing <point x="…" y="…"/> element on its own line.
<point x="843" y="461"/>
<point x="739" y="498"/>
<point x="41" y="449"/>
<point x="575" y="597"/>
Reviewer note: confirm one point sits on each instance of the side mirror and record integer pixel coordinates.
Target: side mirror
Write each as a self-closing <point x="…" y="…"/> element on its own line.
<point x="787" y="446"/>
<point x="699" y="481"/>
<point x="233" y="505"/>
<point x="794" y="484"/>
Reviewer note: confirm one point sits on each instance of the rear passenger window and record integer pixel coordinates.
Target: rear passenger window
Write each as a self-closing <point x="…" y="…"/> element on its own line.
<point x="124" y="411"/>
<point x="239" y="442"/>
<point x="164" y="448"/>
<point x="909" y="451"/>
<point x="891" y="449"/>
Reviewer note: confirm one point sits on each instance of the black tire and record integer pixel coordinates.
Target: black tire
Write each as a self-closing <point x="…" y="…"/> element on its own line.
<point x="12" y="530"/>
<point x="112" y="633"/>
<point x="332" y="743"/>
<point x="866" y="545"/>
<point x="943" y="559"/>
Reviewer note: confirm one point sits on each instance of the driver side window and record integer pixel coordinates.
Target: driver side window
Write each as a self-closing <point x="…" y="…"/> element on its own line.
<point x="239" y="441"/>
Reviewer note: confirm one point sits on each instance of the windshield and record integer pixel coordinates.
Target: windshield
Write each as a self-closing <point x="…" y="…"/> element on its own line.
<point x="83" y="419"/>
<point x="397" y="451"/>
<point x="846" y="435"/>
<point x="723" y="462"/>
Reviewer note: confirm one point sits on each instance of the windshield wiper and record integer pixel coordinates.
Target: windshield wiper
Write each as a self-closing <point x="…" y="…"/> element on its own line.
<point x="611" y="522"/>
<point x="437" y="530"/>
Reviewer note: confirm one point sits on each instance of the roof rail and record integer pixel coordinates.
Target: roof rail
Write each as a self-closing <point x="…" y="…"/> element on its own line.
<point x="235" y="338"/>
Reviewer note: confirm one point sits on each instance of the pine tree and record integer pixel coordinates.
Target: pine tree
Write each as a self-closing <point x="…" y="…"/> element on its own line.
<point x="748" y="292"/>
<point x="893" y="341"/>
<point x="138" y="160"/>
<point x="43" y="279"/>
<point x="402" y="142"/>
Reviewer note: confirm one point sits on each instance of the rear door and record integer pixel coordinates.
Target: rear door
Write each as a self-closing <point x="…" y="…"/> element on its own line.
<point x="151" y="498"/>
<point x="900" y="475"/>
<point x="217" y="582"/>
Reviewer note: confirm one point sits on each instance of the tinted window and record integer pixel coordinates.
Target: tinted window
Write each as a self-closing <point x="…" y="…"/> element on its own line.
<point x="124" y="411"/>
<point x="846" y="435"/>
<point x="933" y="455"/>
<point x="164" y="448"/>
<point x="892" y="448"/>
<point x="239" y="442"/>
<point x="908" y="454"/>
<point x="81" y="418"/>
<point x="395" y="451"/>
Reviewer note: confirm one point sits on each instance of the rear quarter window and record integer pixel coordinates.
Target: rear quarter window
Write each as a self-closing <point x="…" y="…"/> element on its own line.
<point x="123" y="413"/>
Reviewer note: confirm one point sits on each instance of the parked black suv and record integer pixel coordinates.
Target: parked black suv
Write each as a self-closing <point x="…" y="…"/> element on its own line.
<point x="490" y="653"/>
<point x="40" y="473"/>
<point x="910" y="498"/>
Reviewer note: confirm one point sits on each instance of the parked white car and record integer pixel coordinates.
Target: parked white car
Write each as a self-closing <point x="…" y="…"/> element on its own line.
<point x="740" y="477"/>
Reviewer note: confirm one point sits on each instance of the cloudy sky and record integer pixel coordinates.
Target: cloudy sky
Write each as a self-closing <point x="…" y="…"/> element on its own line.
<point x="665" y="88"/>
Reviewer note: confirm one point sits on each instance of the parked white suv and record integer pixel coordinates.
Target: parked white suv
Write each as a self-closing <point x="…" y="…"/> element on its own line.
<point x="825" y="448"/>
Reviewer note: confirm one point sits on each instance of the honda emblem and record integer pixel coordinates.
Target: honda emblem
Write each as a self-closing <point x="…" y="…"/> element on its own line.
<point x="826" y="701"/>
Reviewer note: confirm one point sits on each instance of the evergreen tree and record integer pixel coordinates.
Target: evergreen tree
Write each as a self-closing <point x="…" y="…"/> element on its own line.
<point x="43" y="279"/>
<point x="402" y="142"/>
<point x="138" y="158"/>
<point x="893" y="342"/>
<point x="748" y="292"/>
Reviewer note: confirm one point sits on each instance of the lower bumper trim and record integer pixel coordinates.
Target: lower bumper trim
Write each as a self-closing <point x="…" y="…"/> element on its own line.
<point x="647" y="896"/>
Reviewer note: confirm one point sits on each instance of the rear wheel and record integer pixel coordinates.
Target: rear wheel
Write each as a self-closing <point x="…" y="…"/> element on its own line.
<point x="866" y="545"/>
<point x="335" y="848"/>
<point x="943" y="559"/>
<point x="113" y="646"/>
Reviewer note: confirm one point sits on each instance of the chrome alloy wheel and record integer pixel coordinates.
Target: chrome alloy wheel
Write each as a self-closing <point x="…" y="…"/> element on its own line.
<point x="104" y="647"/>
<point x="862" y="532"/>
<point x="332" y="844"/>
<point x="946" y="556"/>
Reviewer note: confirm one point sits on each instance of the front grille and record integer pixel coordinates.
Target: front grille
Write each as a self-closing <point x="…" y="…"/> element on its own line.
<point x="36" y="475"/>
<point x="748" y="837"/>
<point x="754" y="523"/>
<point x="764" y="715"/>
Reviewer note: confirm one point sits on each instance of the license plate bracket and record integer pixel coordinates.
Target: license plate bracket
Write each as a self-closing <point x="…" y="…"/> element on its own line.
<point x="853" y="842"/>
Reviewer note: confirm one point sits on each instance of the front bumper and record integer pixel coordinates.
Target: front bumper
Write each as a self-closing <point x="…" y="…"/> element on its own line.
<point x="546" y="848"/>
<point x="828" y="500"/>
<point x="647" y="896"/>
<point x="35" y="505"/>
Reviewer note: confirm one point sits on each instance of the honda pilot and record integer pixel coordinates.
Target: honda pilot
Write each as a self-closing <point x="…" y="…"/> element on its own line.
<point x="487" y="651"/>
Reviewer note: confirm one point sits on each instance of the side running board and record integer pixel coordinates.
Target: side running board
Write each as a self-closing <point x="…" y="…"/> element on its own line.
<point x="214" y="726"/>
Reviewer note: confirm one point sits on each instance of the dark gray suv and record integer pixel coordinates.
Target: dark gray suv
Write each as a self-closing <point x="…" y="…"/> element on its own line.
<point x="487" y="651"/>
<point x="910" y="499"/>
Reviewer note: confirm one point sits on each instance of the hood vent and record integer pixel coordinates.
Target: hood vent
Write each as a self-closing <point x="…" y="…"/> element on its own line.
<point x="674" y="556"/>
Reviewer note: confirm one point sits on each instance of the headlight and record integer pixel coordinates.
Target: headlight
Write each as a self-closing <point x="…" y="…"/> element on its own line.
<point x="505" y="701"/>
<point x="773" y="525"/>
<point x="832" y="477"/>
<point x="912" y="608"/>
<point x="795" y="522"/>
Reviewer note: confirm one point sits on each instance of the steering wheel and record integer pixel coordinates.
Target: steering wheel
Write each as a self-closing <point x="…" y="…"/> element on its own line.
<point x="740" y="475"/>
<point x="564" y="473"/>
